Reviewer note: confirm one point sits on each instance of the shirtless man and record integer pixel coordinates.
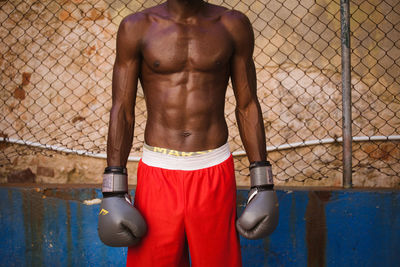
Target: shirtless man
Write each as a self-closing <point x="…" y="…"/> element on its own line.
<point x="184" y="52"/>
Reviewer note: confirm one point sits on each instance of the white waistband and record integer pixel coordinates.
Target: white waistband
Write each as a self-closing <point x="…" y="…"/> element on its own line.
<point x="186" y="163"/>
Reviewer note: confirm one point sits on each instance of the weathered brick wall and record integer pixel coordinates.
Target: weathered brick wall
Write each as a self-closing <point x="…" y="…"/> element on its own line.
<point x="56" y="67"/>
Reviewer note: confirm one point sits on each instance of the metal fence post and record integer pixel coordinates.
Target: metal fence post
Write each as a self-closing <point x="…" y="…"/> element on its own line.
<point x="346" y="92"/>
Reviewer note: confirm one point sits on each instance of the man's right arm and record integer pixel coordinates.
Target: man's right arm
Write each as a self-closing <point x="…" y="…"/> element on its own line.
<point x="124" y="88"/>
<point x="120" y="224"/>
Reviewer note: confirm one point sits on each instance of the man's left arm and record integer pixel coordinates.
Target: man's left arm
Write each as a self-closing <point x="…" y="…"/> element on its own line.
<point x="261" y="214"/>
<point x="243" y="77"/>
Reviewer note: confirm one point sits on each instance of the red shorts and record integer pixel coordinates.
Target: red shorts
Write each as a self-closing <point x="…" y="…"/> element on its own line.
<point x="187" y="210"/>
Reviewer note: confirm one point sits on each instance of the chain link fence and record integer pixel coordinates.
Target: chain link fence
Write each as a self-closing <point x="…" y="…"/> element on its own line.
<point x="376" y="88"/>
<point x="56" y="67"/>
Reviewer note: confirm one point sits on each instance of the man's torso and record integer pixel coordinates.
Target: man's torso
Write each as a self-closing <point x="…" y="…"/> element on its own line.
<point x="185" y="68"/>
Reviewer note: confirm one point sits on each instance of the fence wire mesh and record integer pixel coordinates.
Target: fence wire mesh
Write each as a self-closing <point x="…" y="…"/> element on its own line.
<point x="56" y="68"/>
<point x="375" y="28"/>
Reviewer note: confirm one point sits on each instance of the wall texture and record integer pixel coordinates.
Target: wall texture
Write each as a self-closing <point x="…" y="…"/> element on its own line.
<point x="58" y="227"/>
<point x="56" y="67"/>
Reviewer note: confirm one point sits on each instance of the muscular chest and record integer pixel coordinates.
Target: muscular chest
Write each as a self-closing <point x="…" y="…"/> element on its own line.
<point x="175" y="47"/>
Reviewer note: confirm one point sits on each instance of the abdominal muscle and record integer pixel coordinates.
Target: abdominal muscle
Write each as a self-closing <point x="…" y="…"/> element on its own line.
<point x="186" y="116"/>
<point x="187" y="140"/>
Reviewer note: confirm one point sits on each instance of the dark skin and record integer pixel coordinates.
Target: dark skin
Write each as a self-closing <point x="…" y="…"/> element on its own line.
<point x="184" y="52"/>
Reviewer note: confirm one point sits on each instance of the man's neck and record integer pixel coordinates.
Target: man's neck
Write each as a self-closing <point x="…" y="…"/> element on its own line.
<point x="184" y="9"/>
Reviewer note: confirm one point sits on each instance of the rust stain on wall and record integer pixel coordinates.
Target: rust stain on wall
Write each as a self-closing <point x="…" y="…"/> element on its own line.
<point x="21" y="176"/>
<point x="382" y="152"/>
<point x="33" y="211"/>
<point x="78" y="118"/>
<point x="64" y="15"/>
<point x="26" y="78"/>
<point x="316" y="235"/>
<point x="95" y="14"/>
<point x="90" y="50"/>
<point x="69" y="194"/>
<point x="69" y="235"/>
<point x="88" y="98"/>
<point x="24" y="117"/>
<point x="19" y="93"/>
<point x="45" y="171"/>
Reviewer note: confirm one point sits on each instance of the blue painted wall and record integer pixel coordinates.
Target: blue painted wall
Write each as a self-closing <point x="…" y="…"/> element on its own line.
<point x="53" y="227"/>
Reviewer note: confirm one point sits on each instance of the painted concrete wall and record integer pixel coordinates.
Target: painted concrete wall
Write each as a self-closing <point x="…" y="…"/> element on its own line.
<point x="53" y="227"/>
<point x="377" y="166"/>
<point x="56" y="61"/>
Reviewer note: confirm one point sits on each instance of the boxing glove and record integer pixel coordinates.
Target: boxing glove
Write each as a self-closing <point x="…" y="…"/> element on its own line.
<point x="261" y="215"/>
<point x="120" y="223"/>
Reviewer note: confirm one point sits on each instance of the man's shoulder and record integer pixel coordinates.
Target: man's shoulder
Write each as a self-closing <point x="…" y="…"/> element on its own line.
<point x="226" y="14"/>
<point x="239" y="27"/>
<point x="135" y="19"/>
<point x="144" y="15"/>
<point x="235" y="19"/>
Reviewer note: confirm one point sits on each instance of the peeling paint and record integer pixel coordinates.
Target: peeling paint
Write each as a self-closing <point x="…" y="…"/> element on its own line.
<point x="316" y="228"/>
<point x="90" y="202"/>
<point x="77" y="119"/>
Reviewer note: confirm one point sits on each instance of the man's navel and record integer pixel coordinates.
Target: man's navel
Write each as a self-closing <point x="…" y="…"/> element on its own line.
<point x="186" y="133"/>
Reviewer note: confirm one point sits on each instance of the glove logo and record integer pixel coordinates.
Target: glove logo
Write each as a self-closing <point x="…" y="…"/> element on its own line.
<point x="103" y="212"/>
